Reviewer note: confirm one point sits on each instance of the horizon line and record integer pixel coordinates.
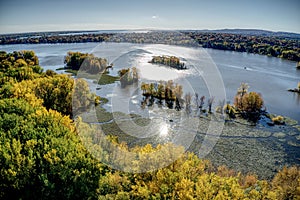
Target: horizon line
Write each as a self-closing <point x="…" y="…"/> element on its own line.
<point x="148" y="29"/>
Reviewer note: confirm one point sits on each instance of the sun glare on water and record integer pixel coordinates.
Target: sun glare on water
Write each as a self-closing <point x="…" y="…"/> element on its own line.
<point x="164" y="130"/>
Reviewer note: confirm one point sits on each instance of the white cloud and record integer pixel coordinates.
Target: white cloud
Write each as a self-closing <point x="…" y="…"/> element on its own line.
<point x="155" y="16"/>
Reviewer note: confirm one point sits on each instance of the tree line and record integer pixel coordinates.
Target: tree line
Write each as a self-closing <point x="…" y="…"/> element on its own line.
<point x="246" y="104"/>
<point x="276" y="46"/>
<point x="280" y="47"/>
<point x="42" y="38"/>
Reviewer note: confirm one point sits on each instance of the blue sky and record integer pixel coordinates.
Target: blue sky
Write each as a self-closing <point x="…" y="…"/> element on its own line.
<point x="44" y="15"/>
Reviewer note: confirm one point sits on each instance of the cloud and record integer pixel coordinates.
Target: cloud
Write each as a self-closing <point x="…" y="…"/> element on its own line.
<point x="155" y="17"/>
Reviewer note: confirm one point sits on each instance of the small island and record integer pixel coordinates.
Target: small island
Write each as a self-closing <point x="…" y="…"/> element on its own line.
<point x="170" y="61"/>
<point x="89" y="66"/>
<point x="298" y="65"/>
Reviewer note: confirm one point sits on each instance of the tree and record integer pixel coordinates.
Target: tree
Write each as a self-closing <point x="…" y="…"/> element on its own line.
<point x="129" y="76"/>
<point x="210" y="102"/>
<point x="143" y="87"/>
<point x="187" y="99"/>
<point x="248" y="104"/>
<point x="286" y="183"/>
<point x="85" y="62"/>
<point x="243" y="89"/>
<point x="161" y="91"/>
<point x="252" y="102"/>
<point x="196" y="100"/>
<point x="41" y="155"/>
<point x="201" y="102"/>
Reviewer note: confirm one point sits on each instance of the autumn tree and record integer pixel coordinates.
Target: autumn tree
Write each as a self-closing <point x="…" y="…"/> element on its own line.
<point x="41" y="155"/>
<point x="129" y="76"/>
<point x="85" y="62"/>
<point x="248" y="104"/>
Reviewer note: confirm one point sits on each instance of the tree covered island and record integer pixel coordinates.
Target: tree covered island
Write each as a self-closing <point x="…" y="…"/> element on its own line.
<point x="89" y="64"/>
<point x="171" y="61"/>
<point x="86" y="62"/>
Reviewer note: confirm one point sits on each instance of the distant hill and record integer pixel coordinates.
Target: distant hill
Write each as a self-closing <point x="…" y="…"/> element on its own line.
<point x="255" y="32"/>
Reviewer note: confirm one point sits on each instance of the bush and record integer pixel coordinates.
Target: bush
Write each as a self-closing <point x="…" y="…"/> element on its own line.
<point x="251" y="102"/>
<point x="286" y="183"/>
<point x="278" y="120"/>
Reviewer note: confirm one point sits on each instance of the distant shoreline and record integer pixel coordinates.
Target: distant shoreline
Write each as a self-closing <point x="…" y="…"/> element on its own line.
<point x="274" y="44"/>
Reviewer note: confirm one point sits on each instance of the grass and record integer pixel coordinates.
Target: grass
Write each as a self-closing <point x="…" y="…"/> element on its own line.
<point x="103" y="115"/>
<point x="107" y="79"/>
<point x="104" y="78"/>
<point x="61" y="68"/>
<point x="71" y="71"/>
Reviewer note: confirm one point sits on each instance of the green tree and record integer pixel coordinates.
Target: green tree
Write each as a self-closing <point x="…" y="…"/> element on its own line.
<point x="41" y="156"/>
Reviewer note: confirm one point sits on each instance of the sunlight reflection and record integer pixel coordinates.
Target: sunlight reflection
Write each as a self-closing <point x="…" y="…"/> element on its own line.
<point x="164" y="130"/>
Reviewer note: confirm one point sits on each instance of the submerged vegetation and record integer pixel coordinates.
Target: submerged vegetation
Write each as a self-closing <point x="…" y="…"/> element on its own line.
<point x="43" y="157"/>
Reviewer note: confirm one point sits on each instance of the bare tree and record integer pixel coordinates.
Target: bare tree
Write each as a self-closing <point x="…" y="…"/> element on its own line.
<point x="210" y="102"/>
<point x="197" y="100"/>
<point x="222" y="105"/>
<point x="201" y="102"/>
<point x="243" y="89"/>
<point x="187" y="99"/>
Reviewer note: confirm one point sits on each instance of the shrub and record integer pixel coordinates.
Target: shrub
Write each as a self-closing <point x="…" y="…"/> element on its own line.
<point x="286" y="183"/>
<point x="252" y="102"/>
<point x="278" y="120"/>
